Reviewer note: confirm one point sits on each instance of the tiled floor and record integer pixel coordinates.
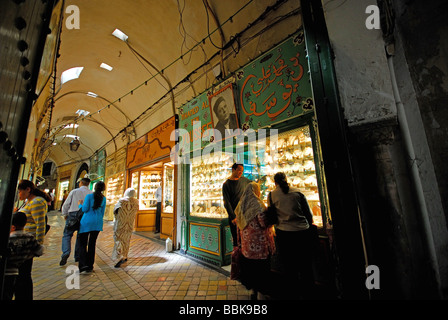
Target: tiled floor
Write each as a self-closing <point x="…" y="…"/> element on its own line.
<point x="150" y="273"/>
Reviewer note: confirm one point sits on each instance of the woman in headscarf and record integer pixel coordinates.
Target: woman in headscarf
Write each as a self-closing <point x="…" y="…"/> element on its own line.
<point x="257" y="241"/>
<point x="124" y="211"/>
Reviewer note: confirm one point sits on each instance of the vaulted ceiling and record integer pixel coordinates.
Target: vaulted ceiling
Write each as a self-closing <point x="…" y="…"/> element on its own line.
<point x="171" y="55"/>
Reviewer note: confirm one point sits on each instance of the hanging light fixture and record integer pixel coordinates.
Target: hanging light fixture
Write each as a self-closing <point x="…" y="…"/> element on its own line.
<point x="74" y="145"/>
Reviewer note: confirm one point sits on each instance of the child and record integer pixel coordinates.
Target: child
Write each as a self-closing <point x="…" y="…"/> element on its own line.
<point x="22" y="247"/>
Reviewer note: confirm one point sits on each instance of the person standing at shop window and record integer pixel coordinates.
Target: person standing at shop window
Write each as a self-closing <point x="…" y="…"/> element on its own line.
<point x="294" y="241"/>
<point x="232" y="190"/>
<point x="35" y="209"/>
<point x="257" y="243"/>
<point x="69" y="211"/>
<point x="159" y="207"/>
<point x="91" y="224"/>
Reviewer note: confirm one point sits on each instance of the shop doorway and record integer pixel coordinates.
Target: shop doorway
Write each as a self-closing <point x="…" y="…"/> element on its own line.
<point x="155" y="184"/>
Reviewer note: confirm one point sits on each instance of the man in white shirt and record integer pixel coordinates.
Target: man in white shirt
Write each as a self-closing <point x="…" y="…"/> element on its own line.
<point x="69" y="210"/>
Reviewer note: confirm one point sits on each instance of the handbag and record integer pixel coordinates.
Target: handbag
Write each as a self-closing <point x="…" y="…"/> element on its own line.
<point x="74" y="223"/>
<point x="271" y="213"/>
<point x="314" y="236"/>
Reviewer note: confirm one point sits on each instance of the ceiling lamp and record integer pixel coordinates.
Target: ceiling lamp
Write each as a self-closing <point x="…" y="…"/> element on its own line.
<point x="74" y="144"/>
<point x="120" y="35"/>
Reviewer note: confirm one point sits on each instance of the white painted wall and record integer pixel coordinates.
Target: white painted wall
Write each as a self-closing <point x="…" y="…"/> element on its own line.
<point x="360" y="62"/>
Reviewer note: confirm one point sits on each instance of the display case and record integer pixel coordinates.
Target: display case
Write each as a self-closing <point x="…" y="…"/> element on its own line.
<point x="135" y="178"/>
<point x="294" y="155"/>
<point x="149" y="182"/>
<point x="292" y="152"/>
<point x="206" y="229"/>
<point x="114" y="191"/>
<point x="207" y="177"/>
<point x="168" y="188"/>
<point x="63" y="186"/>
<point x="115" y="188"/>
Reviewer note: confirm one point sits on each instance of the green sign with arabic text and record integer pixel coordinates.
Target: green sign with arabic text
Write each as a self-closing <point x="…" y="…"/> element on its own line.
<point x="276" y="86"/>
<point x="196" y="110"/>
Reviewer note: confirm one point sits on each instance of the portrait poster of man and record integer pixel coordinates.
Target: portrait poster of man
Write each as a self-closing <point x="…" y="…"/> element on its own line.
<point x="223" y="110"/>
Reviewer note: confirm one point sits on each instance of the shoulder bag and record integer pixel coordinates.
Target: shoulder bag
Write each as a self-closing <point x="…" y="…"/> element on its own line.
<point x="271" y="213"/>
<point x="75" y="223"/>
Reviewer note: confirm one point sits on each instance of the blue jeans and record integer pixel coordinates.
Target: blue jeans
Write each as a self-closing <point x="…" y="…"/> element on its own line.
<point x="67" y="239"/>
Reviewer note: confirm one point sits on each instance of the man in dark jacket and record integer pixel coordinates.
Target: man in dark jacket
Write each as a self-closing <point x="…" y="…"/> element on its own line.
<point x="232" y="190"/>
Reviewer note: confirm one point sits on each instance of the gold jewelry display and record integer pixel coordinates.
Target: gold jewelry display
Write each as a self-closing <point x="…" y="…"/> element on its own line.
<point x="115" y="188"/>
<point x="207" y="177"/>
<point x="149" y="181"/>
<point x="294" y="157"/>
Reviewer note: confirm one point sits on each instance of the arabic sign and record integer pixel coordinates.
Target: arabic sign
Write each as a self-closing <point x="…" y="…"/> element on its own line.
<point x="276" y="86"/>
<point x="153" y="145"/>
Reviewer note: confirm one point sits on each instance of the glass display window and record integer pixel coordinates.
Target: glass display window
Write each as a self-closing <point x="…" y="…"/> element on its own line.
<point x="115" y="188"/>
<point x="148" y="184"/>
<point x="207" y="175"/>
<point x="293" y="154"/>
<point x="168" y="187"/>
<point x="63" y="186"/>
<point x="135" y="180"/>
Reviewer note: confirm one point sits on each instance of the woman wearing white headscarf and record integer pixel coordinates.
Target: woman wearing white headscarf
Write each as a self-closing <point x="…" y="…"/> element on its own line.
<point x="124" y="211"/>
<point x="256" y="239"/>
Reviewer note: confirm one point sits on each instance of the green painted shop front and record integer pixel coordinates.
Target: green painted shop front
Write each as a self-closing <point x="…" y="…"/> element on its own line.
<point x="273" y="102"/>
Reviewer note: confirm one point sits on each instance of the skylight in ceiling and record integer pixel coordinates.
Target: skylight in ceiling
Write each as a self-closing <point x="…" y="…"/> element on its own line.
<point x="70" y="74"/>
<point x="71" y="125"/>
<point x="81" y="112"/>
<point x="120" y="35"/>
<point x="106" y="66"/>
<point x="71" y="136"/>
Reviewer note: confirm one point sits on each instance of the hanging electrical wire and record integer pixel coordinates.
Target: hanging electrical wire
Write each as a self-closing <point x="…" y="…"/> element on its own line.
<point x="234" y="39"/>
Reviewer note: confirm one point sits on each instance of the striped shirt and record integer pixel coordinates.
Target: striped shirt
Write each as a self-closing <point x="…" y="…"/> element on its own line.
<point x="35" y="211"/>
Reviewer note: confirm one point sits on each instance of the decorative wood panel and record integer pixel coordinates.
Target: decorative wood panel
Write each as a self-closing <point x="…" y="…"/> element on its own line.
<point x="152" y="146"/>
